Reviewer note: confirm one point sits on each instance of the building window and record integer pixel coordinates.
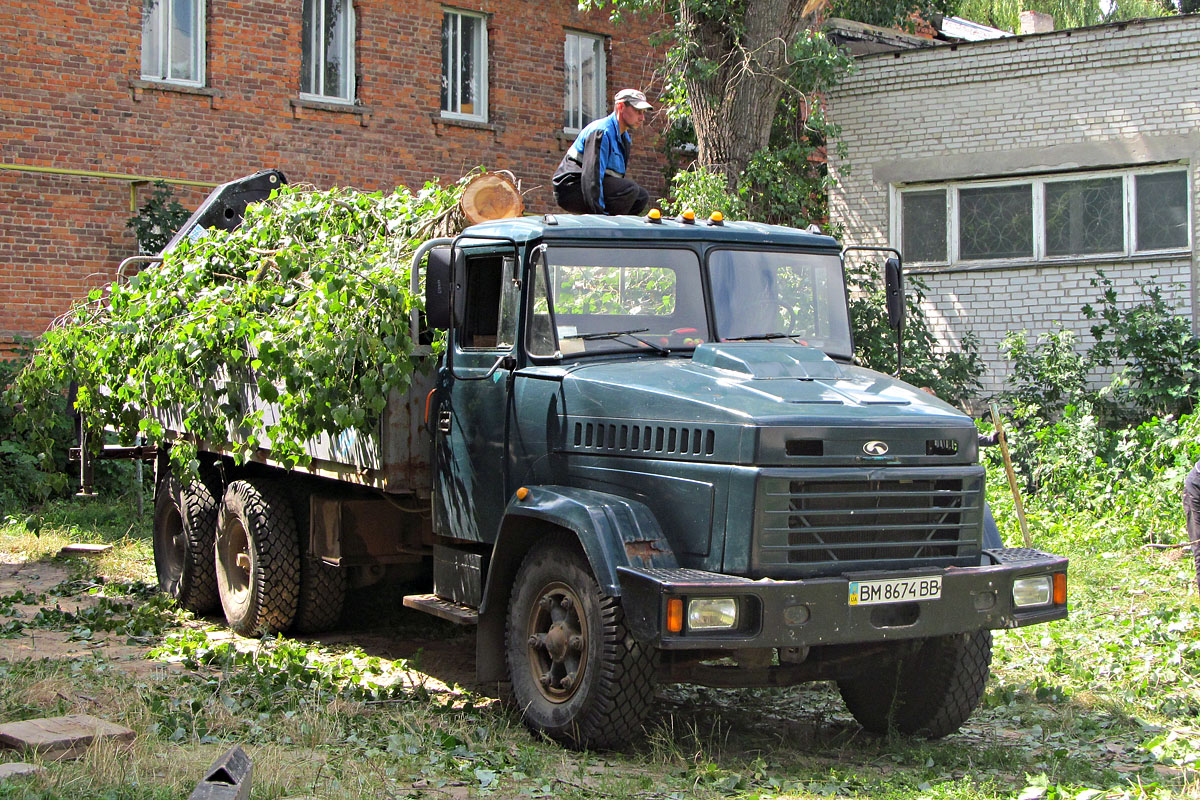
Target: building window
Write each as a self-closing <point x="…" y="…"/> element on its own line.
<point x="585" y="93"/>
<point x="173" y="41"/>
<point x="327" y="50"/>
<point x="995" y="222"/>
<point x="1046" y="218"/>
<point x="464" y="65"/>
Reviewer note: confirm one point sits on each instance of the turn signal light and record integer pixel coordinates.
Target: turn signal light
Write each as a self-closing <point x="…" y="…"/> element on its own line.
<point x="674" y="614"/>
<point x="1060" y="588"/>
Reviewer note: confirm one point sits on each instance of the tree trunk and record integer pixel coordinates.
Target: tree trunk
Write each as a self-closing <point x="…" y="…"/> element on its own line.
<point x="734" y="101"/>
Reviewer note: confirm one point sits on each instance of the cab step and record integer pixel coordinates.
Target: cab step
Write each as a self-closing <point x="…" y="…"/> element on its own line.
<point x="445" y="609"/>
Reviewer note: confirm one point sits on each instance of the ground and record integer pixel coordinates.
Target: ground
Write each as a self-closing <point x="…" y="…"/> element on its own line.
<point x="388" y="706"/>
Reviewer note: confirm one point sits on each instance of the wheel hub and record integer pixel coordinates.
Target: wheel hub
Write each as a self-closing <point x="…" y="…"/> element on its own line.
<point x="557" y="642"/>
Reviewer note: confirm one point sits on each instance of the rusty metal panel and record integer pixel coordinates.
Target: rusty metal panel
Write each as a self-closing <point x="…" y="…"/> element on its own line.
<point x="406" y="443"/>
<point x="363" y="531"/>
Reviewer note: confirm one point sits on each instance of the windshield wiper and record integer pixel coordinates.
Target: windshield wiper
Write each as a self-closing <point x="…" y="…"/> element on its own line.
<point x="614" y="334"/>
<point x="762" y="337"/>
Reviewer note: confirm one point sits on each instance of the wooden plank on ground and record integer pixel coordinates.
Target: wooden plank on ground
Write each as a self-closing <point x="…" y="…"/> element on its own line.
<point x="61" y="737"/>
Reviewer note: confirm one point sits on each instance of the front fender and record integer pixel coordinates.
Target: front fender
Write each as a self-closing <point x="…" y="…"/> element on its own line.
<point x="612" y="531"/>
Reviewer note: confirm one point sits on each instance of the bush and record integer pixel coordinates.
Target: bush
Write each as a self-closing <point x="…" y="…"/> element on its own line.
<point x="1048" y="375"/>
<point x="1158" y="355"/>
<point x="158" y="219"/>
<point x="29" y="474"/>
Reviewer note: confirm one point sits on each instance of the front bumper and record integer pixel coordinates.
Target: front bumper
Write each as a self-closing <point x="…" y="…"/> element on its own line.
<point x="817" y="611"/>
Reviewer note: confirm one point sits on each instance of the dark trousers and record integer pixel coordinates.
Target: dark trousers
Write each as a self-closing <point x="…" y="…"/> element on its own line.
<point x="621" y="196"/>
<point x="1191" y="508"/>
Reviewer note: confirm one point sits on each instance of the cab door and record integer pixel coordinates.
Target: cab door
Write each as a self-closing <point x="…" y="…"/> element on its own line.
<point x="474" y="404"/>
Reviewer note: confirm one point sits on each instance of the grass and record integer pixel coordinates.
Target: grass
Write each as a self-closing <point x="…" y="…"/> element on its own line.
<point x="1105" y="704"/>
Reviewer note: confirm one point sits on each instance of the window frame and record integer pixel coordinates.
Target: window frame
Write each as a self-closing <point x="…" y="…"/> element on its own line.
<point x="1037" y="187"/>
<point x="200" y="48"/>
<point x="601" y="97"/>
<point x="349" y="40"/>
<point x="482" y="66"/>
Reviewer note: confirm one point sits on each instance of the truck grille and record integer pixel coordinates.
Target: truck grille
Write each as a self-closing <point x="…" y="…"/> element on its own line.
<point x="854" y="521"/>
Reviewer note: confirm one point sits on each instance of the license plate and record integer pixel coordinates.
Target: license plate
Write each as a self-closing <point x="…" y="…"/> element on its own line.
<point x="895" y="590"/>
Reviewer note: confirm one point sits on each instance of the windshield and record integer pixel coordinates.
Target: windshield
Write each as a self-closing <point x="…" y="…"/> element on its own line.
<point x="588" y="299"/>
<point x="768" y="295"/>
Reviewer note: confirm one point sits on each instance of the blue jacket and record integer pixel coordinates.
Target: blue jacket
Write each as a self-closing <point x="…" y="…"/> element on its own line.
<point x="600" y="149"/>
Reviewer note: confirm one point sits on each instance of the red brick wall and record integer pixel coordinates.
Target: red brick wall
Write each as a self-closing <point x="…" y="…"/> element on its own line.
<point x="67" y="101"/>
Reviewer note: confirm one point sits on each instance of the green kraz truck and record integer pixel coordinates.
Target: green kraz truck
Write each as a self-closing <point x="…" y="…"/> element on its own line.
<point x="645" y="456"/>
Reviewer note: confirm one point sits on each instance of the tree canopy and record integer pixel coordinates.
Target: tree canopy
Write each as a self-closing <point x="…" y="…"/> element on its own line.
<point x="1005" y="14"/>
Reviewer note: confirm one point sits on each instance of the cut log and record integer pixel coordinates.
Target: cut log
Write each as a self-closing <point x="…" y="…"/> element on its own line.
<point x="491" y="195"/>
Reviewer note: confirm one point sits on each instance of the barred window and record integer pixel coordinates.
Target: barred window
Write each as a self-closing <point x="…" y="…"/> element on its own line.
<point x="1046" y="218"/>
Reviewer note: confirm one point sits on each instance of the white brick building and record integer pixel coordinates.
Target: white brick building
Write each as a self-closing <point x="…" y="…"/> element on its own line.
<point x="1009" y="171"/>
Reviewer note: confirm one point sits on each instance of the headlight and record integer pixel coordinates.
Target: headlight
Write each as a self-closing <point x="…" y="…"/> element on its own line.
<point x="1035" y="591"/>
<point x="712" y="613"/>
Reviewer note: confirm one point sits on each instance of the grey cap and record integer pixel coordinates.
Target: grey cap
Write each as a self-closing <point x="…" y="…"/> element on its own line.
<point x="634" y="98"/>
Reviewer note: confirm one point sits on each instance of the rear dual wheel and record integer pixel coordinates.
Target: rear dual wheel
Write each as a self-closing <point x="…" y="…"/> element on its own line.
<point x="185" y="525"/>
<point x="268" y="581"/>
<point x="258" y="558"/>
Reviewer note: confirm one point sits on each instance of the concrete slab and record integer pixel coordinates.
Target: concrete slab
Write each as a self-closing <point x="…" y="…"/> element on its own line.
<point x="61" y="737"/>
<point x="17" y="769"/>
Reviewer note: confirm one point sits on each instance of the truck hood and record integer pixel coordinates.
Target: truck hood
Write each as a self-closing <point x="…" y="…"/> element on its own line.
<point x="750" y="383"/>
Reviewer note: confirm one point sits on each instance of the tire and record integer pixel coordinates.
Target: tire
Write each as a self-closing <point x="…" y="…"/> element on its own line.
<point x="258" y="562"/>
<point x="562" y="630"/>
<point x="322" y="587"/>
<point x="185" y="526"/>
<point x="322" y="596"/>
<point x="930" y="692"/>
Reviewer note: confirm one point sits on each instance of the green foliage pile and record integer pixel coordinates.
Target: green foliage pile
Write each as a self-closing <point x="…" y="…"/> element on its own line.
<point x="306" y="305"/>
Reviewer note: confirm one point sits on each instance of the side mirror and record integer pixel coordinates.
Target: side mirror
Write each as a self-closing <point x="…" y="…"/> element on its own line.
<point x="445" y="298"/>
<point x="893" y="280"/>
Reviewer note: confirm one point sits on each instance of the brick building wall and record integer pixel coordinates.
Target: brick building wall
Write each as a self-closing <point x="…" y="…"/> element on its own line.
<point x="71" y="98"/>
<point x="1115" y="97"/>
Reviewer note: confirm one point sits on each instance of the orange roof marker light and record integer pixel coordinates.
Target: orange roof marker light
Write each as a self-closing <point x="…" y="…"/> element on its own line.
<point x="688" y="217"/>
<point x="654" y="215"/>
<point x="716" y="218"/>
<point x="522" y="493"/>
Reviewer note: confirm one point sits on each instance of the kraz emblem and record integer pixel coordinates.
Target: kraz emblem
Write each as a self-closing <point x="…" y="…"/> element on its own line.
<point x="875" y="448"/>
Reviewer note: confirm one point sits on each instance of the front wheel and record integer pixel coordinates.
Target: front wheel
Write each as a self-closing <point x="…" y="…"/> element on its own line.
<point x="577" y="674"/>
<point x="929" y="692"/>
